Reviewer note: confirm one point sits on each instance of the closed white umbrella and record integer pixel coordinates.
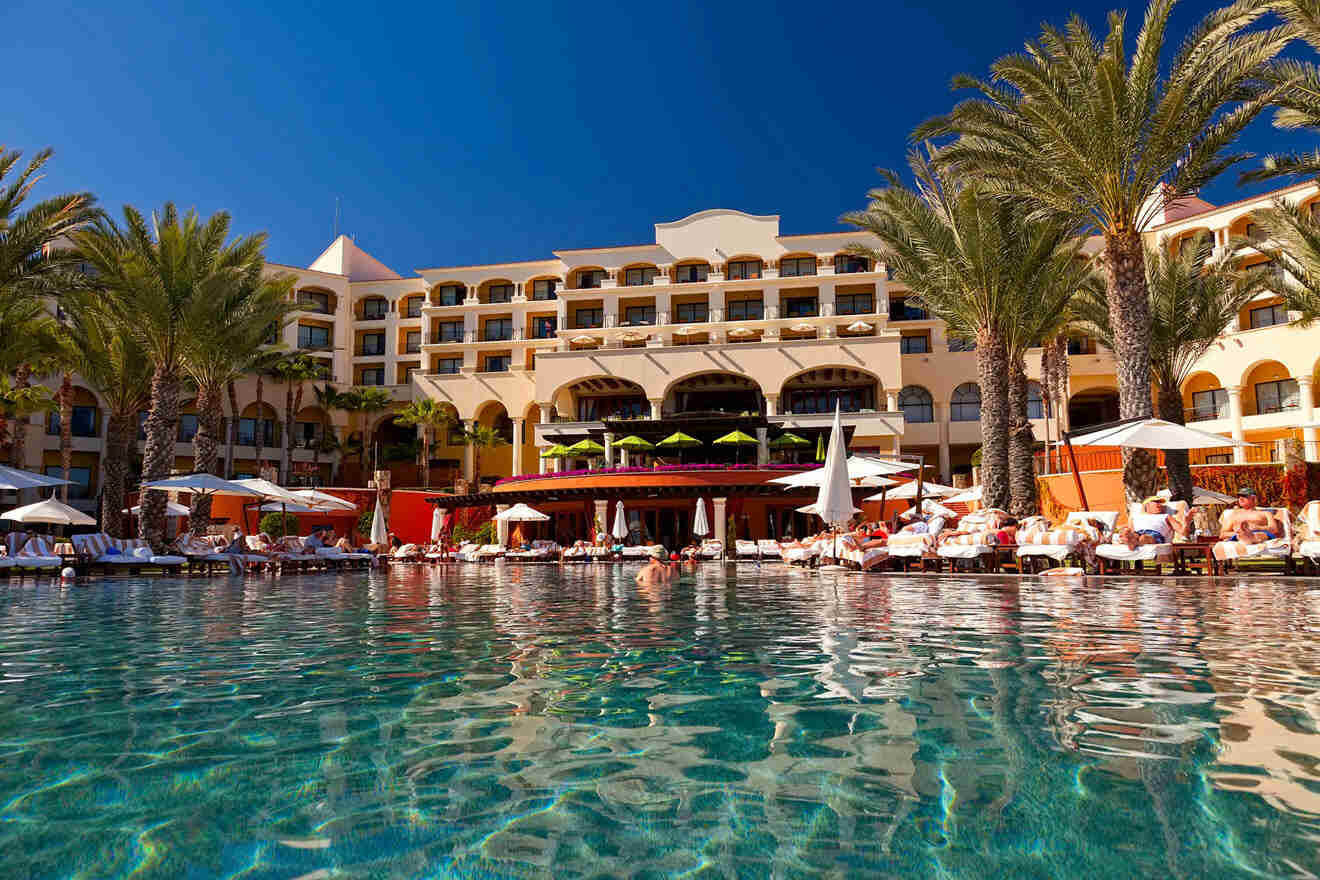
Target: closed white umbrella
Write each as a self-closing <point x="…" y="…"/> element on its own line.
<point x="379" y="534"/>
<point x="437" y="523"/>
<point x="172" y="509"/>
<point x="834" y="498"/>
<point x="700" y="526"/>
<point x="49" y="511"/>
<point x="521" y="513"/>
<point x="1153" y="434"/>
<point x="13" y="478"/>
<point x="620" y="529"/>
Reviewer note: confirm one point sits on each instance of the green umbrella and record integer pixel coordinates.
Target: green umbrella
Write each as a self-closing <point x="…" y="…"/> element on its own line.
<point x="633" y="442"/>
<point x="736" y="439"/>
<point x="586" y="447"/>
<point x="680" y="441"/>
<point x="789" y="440"/>
<point x="820" y="447"/>
<point x="559" y="450"/>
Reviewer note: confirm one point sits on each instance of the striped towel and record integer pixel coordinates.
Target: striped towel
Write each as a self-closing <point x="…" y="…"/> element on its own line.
<point x="972" y="539"/>
<point x="1228" y="550"/>
<point x="908" y="539"/>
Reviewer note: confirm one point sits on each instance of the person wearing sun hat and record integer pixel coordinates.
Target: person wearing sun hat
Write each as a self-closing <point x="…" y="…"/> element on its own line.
<point x="1153" y="525"/>
<point x="1247" y="523"/>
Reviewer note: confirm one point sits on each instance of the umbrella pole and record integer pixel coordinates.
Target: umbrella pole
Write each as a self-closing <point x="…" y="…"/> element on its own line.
<point x="1077" y="476"/>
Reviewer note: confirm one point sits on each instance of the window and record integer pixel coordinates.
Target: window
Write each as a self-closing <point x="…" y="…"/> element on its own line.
<point x="640" y="277"/>
<point x="312" y="301"/>
<point x="374" y="309"/>
<point x="1252" y="231"/>
<point x="638" y="315"/>
<point x="80" y="480"/>
<point x="1268" y="316"/>
<point x="691" y="313"/>
<point x="544" y="289"/>
<point x="372" y="343"/>
<point x="595" y="409"/>
<point x="916" y="405"/>
<point x="497" y="329"/>
<point x="142" y="426"/>
<point x="845" y="264"/>
<point x="448" y="366"/>
<point x="497" y="363"/>
<point x="187" y="427"/>
<point x="914" y="344"/>
<point x="544" y="327"/>
<point x="307" y="435"/>
<point x="1035" y="401"/>
<point x="1211" y="404"/>
<point x="372" y="376"/>
<point x="449" y="331"/>
<point x="822" y="400"/>
<point x="448" y="295"/>
<point x="1219" y="458"/>
<point x="899" y="310"/>
<point x="1272" y="397"/>
<point x="500" y="293"/>
<point x="800" y="307"/>
<point x="247" y="432"/>
<point x="408" y="373"/>
<point x="959" y="344"/>
<point x="590" y="278"/>
<point x="414" y="307"/>
<point x="83" y="423"/>
<point x="693" y="272"/>
<point x="739" y="269"/>
<point x="310" y="336"/>
<point x="589" y="318"/>
<point x="965" y="405"/>
<point x="746" y="310"/>
<point x="854" y="304"/>
<point x="412" y="341"/>
<point x="797" y="266"/>
<point x="1080" y="345"/>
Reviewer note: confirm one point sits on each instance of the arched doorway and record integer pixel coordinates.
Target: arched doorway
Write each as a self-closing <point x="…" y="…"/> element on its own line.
<point x="818" y="390"/>
<point x="715" y="392"/>
<point x="1092" y="407"/>
<point x="602" y="397"/>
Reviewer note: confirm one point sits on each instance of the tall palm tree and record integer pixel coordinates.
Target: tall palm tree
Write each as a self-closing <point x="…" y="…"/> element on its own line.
<point x="1298" y="102"/>
<point x="967" y="257"/>
<point x="159" y="278"/>
<point x="431" y="417"/>
<point x="20" y="403"/>
<point x="295" y="370"/>
<point x="481" y="437"/>
<point x="1073" y="127"/>
<point x="1193" y="299"/>
<point x="1292" y="241"/>
<point x="365" y="401"/>
<point x="29" y="343"/>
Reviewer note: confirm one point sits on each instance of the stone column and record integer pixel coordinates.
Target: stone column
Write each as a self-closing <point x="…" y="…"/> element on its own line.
<point x="603" y="515"/>
<point x="501" y="527"/>
<point x="826" y="299"/>
<point x="762" y="446"/>
<point x="609" y="449"/>
<point x="891" y="400"/>
<point x="469" y="452"/>
<point x="516" y="469"/>
<point x="771" y="404"/>
<point x="721" y="523"/>
<point x="656" y="404"/>
<point x="942" y="418"/>
<point x="544" y="462"/>
<point x="1235" y="413"/>
<point x="1305" y="386"/>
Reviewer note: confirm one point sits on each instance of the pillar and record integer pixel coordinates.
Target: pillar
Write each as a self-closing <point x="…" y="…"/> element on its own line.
<point x="609" y="449"/>
<point x="603" y="515"/>
<point x="656" y="404"/>
<point x="518" y="441"/>
<point x="826" y="299"/>
<point x="721" y="521"/>
<point x="545" y="462"/>
<point x="1309" y="435"/>
<point x="942" y="418"/>
<point x="1235" y="414"/>
<point x="771" y="404"/>
<point x="891" y="401"/>
<point x="762" y="446"/>
<point x="469" y="452"/>
<point x="501" y="527"/>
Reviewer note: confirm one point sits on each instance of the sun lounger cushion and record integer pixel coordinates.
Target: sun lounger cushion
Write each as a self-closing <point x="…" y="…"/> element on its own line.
<point x="910" y="544"/>
<point x="968" y="546"/>
<point x="1276" y="548"/>
<point x="745" y="548"/>
<point x="37" y="553"/>
<point x="767" y="547"/>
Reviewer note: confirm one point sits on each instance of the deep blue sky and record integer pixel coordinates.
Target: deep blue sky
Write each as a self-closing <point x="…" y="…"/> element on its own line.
<point x="459" y="134"/>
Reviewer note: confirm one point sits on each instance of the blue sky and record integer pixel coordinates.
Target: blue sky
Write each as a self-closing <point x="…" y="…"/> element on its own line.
<point x="457" y="134"/>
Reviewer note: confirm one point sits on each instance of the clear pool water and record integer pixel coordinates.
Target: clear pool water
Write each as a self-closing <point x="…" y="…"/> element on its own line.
<point x="743" y="722"/>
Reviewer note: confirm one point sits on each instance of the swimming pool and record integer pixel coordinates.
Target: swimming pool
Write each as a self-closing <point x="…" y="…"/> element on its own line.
<point x="744" y="721"/>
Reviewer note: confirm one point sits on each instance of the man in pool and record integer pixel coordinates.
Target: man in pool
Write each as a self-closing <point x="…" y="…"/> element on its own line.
<point x="1248" y="523"/>
<point x="655" y="572"/>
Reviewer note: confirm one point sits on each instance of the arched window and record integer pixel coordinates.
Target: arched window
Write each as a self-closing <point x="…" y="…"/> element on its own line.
<point x="375" y="308"/>
<point x="1035" y="401"/>
<point x="916" y="404"/>
<point x="965" y="405"/>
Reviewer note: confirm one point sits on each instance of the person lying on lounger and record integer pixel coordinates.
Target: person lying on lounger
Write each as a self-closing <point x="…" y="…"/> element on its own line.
<point x="1248" y="523"/>
<point x="1154" y="525"/>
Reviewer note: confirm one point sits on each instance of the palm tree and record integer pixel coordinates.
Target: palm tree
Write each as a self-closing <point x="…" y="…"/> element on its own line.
<point x="1292" y="241"/>
<point x="29" y="341"/>
<point x="159" y="279"/>
<point x="1193" y="298"/>
<point x="231" y="391"/>
<point x="1073" y="127"/>
<point x="968" y="258"/>
<point x="295" y="370"/>
<point x="481" y="437"/>
<point x="366" y="400"/>
<point x="1298" y="102"/>
<point x="20" y="402"/>
<point x="431" y="417"/>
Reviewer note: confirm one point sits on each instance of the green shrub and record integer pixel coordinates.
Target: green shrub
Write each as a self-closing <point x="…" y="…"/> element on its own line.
<point x="271" y="524"/>
<point x="364" y="522"/>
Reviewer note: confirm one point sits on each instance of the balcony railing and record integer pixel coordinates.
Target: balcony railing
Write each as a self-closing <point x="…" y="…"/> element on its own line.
<point x="658" y="469"/>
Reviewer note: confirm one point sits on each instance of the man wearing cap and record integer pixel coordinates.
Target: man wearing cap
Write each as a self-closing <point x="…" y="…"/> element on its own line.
<point x="1248" y="523"/>
<point x="1153" y="525"/>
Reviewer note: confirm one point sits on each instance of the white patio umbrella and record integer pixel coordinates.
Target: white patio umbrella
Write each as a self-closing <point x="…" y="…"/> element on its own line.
<point x="287" y="507"/>
<point x="1202" y="495"/>
<point x="201" y="484"/>
<point x="521" y="513"/>
<point x="814" y="509"/>
<point x="49" y="511"/>
<point x="620" y="530"/>
<point x="1153" y="434"/>
<point x="931" y="506"/>
<point x="324" y="500"/>
<point x="966" y="496"/>
<point x="13" y="478"/>
<point x="909" y="490"/>
<point x="861" y="471"/>
<point x="700" y="526"/>
<point x="834" y="498"/>
<point x="271" y="492"/>
<point x="172" y="509"/>
<point x="379" y="534"/>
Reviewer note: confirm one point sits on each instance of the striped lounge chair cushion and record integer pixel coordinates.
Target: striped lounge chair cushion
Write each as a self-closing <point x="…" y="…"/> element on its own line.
<point x="973" y="539"/>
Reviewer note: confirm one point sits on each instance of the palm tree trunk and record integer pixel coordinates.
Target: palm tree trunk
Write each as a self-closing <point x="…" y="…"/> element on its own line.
<point x="992" y="372"/>
<point x="1021" y="445"/>
<point x="1129" y="314"/>
<point x="66" y="432"/>
<point x="119" y="435"/>
<point x="287" y="466"/>
<point x="1176" y="461"/>
<point x="233" y="426"/>
<point x="259" y="438"/>
<point x="18" y="449"/>
<point x="207" y="444"/>
<point x="158" y="457"/>
<point x="297" y="408"/>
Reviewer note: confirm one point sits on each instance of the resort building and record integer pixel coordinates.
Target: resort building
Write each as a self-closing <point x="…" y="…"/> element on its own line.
<point x="722" y="323"/>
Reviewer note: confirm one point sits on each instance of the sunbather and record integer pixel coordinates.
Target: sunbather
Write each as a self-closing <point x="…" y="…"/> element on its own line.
<point x="1154" y="525"/>
<point x="1249" y="524"/>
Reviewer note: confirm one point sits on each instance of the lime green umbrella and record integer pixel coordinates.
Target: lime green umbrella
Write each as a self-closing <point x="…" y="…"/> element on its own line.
<point x="586" y="447"/>
<point x="680" y="441"/>
<point x="559" y="450"/>
<point x="789" y="440"/>
<point x="820" y="447"/>
<point x="634" y="443"/>
<point x="736" y="439"/>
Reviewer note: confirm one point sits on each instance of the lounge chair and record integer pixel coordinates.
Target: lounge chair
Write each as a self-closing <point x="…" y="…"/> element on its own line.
<point x="1119" y="553"/>
<point x="769" y="549"/>
<point x="863" y="558"/>
<point x="1227" y="552"/>
<point x="711" y="549"/>
<point x="540" y="551"/>
<point x="487" y="553"/>
<point x="1058" y="544"/>
<point x="910" y="545"/>
<point x="799" y="552"/>
<point x="746" y="549"/>
<point x="1309" y="548"/>
<point x="643" y="551"/>
<point x="99" y="548"/>
<point x="973" y="546"/>
<point x="37" y="555"/>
